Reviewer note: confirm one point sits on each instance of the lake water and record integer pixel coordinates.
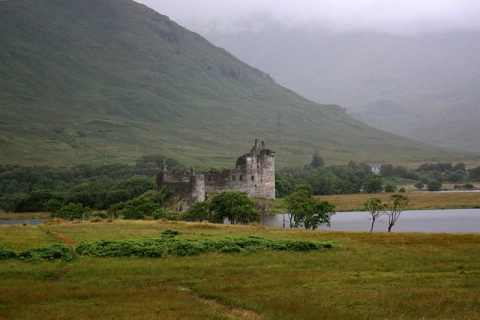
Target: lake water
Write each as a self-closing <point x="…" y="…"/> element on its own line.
<point x="445" y="221"/>
<point x="442" y="221"/>
<point x="30" y="221"/>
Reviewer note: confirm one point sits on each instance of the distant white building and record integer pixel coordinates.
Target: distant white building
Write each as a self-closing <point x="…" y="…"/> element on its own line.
<point x="376" y="168"/>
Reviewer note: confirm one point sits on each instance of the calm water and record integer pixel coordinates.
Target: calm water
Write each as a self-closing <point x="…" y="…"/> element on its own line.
<point x="447" y="221"/>
<point x="30" y="221"/>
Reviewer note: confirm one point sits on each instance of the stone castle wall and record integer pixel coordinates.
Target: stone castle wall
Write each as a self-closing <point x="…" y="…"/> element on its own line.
<point x="254" y="174"/>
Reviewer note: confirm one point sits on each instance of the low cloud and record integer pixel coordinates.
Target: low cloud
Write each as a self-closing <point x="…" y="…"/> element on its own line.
<point x="400" y="16"/>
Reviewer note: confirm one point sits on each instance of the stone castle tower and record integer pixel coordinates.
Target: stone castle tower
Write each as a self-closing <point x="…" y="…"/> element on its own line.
<point x="254" y="173"/>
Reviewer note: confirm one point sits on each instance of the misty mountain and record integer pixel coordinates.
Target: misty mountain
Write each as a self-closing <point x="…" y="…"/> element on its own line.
<point x="432" y="80"/>
<point x="102" y="81"/>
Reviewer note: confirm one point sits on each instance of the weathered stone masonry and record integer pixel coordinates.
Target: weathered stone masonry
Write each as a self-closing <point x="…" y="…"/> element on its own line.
<point x="254" y="174"/>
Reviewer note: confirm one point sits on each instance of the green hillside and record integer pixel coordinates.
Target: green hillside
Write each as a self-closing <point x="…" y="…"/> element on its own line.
<point x="111" y="80"/>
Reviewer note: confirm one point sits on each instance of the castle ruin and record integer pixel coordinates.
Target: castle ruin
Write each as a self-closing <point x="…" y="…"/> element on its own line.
<point x="254" y="174"/>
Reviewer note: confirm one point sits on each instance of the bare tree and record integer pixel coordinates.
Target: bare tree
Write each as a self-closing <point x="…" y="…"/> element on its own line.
<point x="397" y="204"/>
<point x="376" y="209"/>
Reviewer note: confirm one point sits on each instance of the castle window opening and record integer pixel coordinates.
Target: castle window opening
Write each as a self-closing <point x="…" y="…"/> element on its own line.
<point x="253" y="178"/>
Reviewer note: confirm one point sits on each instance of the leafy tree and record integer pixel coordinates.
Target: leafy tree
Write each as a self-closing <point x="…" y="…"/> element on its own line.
<point x="306" y="211"/>
<point x="139" y="207"/>
<point x="387" y="170"/>
<point x="474" y="173"/>
<point x="419" y="185"/>
<point x="434" y="186"/>
<point x="317" y="160"/>
<point x="199" y="211"/>
<point x="52" y="206"/>
<point x="376" y="209"/>
<point x="71" y="211"/>
<point x="115" y="210"/>
<point x="34" y="201"/>
<point x="468" y="186"/>
<point x="397" y="204"/>
<point x="390" y="188"/>
<point x="135" y="186"/>
<point x="373" y="184"/>
<point x="159" y="213"/>
<point x="235" y="206"/>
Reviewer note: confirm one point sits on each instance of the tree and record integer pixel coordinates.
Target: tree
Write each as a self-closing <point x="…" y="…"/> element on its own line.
<point x="397" y="204"/>
<point x="317" y="160"/>
<point x="434" y="186"/>
<point x="71" y="211"/>
<point x="199" y="211"/>
<point x="306" y="211"/>
<point x="376" y="209"/>
<point x="236" y="206"/>
<point x="419" y="185"/>
<point x="390" y="188"/>
<point x="474" y="173"/>
<point x="139" y="207"/>
<point x="373" y="184"/>
<point x="52" y="206"/>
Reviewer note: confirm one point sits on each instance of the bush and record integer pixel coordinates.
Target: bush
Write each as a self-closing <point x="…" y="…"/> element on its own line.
<point x="49" y="252"/>
<point x="390" y="188"/>
<point x="188" y="247"/>
<point x="6" y="253"/>
<point x="159" y="213"/>
<point x="468" y="186"/>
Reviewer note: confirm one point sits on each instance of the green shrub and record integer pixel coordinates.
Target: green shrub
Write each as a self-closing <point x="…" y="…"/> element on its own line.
<point x="33" y="255"/>
<point x="6" y="253"/>
<point x="188" y="247"/>
<point x="71" y="211"/>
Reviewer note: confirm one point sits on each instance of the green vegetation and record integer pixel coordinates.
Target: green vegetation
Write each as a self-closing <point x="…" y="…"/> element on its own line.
<point x="155" y="248"/>
<point x="106" y="82"/>
<point x="306" y="211"/>
<point x="34" y="255"/>
<point x="380" y="275"/>
<point x="129" y="191"/>
<point x="418" y="201"/>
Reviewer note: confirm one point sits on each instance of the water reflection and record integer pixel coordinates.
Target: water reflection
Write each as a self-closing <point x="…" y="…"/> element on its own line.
<point x="445" y="221"/>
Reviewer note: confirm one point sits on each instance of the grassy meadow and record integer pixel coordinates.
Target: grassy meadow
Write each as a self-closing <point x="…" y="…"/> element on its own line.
<point x="365" y="276"/>
<point x="418" y="201"/>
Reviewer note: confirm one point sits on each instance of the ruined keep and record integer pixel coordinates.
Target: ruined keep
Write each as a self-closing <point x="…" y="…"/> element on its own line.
<point x="254" y="174"/>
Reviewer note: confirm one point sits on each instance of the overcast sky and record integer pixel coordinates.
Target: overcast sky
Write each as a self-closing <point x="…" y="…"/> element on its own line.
<point x="396" y="16"/>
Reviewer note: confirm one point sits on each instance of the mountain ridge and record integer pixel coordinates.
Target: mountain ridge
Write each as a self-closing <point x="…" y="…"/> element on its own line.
<point x="108" y="81"/>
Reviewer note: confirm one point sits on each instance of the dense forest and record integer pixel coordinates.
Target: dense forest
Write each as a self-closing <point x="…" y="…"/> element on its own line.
<point x="34" y="189"/>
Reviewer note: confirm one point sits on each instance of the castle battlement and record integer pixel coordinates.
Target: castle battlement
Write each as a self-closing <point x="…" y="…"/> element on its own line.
<point x="254" y="173"/>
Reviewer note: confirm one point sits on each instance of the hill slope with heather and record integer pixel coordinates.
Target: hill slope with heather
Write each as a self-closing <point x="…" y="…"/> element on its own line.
<point x="111" y="80"/>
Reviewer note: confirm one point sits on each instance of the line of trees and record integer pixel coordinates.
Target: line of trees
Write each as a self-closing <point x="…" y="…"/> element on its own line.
<point x="358" y="177"/>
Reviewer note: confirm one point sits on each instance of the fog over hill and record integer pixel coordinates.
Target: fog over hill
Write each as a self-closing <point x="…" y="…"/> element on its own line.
<point x="409" y="67"/>
<point x="424" y="87"/>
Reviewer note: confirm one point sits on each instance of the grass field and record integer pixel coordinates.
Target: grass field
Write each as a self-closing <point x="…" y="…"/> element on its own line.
<point x="418" y="201"/>
<point x="368" y="276"/>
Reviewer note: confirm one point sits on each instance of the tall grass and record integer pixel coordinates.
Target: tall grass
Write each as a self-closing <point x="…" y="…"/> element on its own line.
<point x="418" y="201"/>
<point x="372" y="276"/>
